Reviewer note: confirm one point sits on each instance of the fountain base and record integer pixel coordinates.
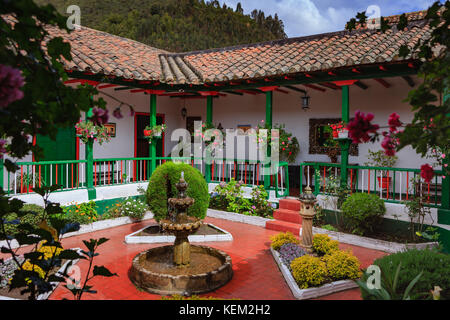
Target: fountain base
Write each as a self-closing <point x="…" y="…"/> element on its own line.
<point x="154" y="271"/>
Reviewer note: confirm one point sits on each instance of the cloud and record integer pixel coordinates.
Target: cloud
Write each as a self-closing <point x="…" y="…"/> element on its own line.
<point x="306" y="17"/>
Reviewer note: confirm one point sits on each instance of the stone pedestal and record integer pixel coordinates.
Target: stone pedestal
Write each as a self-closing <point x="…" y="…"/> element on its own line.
<point x="307" y="200"/>
<point x="182" y="250"/>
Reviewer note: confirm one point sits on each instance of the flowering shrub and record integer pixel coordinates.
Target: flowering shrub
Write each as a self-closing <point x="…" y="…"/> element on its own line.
<point x="10" y="81"/>
<point x="342" y="265"/>
<point x="48" y="252"/>
<point x="84" y="213"/>
<point x="289" y="252"/>
<point x="155" y="131"/>
<point x="133" y="208"/>
<point x="88" y="130"/>
<point x="360" y="127"/>
<point x="323" y="244"/>
<point x="309" y="271"/>
<point x="282" y="238"/>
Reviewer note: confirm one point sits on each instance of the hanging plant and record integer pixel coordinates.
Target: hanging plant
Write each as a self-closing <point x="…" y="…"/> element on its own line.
<point x="289" y="146"/>
<point x="86" y="130"/>
<point x="154" y="132"/>
<point x="339" y="130"/>
<point x="209" y="126"/>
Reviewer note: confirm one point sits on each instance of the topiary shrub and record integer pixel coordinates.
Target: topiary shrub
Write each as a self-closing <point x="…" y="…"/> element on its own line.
<point x="161" y="187"/>
<point x="309" y="271"/>
<point x="434" y="265"/>
<point x="281" y="238"/>
<point x="342" y="265"/>
<point x="323" y="244"/>
<point x="362" y="212"/>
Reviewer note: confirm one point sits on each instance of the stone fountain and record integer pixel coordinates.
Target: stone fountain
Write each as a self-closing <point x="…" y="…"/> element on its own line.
<point x="181" y="268"/>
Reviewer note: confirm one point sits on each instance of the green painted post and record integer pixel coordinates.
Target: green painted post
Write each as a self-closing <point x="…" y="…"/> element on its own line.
<point x="345" y="143"/>
<point x="209" y="120"/>
<point x="89" y="155"/>
<point x="153" y="144"/>
<point x="444" y="210"/>
<point x="1" y="175"/>
<point x="269" y="114"/>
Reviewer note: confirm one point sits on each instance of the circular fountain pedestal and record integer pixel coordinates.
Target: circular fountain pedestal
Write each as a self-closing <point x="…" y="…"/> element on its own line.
<point x="155" y="272"/>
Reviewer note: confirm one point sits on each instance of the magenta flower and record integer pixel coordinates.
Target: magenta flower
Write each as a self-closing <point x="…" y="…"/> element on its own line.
<point x="426" y="172"/>
<point x="117" y="113"/>
<point x="10" y="81"/>
<point x="394" y="122"/>
<point x="388" y="145"/>
<point x="2" y="148"/>
<point x="360" y="127"/>
<point x="99" y="116"/>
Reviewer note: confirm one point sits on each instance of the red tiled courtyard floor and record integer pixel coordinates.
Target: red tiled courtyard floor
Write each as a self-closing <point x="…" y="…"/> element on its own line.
<point x="256" y="275"/>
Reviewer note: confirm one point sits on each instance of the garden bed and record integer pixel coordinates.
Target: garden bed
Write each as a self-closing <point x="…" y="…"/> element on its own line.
<point x="372" y="243"/>
<point x="153" y="234"/>
<point x="14" y="294"/>
<point x="310" y="293"/>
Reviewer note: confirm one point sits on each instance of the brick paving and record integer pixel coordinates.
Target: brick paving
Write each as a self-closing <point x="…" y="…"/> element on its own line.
<point x="256" y="275"/>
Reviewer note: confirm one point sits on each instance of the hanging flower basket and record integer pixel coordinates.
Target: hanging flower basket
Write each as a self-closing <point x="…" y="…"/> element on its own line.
<point x="343" y="134"/>
<point x="86" y="130"/>
<point x="154" y="132"/>
<point x="340" y="131"/>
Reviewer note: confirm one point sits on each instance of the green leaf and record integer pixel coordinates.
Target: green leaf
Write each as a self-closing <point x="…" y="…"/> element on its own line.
<point x="411" y="285"/>
<point x="102" y="271"/>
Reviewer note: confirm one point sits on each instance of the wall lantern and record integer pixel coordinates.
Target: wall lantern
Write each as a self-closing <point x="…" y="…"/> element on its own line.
<point x="305" y="102"/>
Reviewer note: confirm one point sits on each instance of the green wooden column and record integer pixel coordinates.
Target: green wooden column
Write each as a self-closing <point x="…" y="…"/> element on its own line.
<point x="89" y="156"/>
<point x="269" y="118"/>
<point x="444" y="210"/>
<point x="209" y="120"/>
<point x="345" y="143"/>
<point x="152" y="148"/>
<point x="1" y="174"/>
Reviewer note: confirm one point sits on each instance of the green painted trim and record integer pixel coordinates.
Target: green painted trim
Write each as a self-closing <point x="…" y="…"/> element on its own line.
<point x="345" y="143"/>
<point x="269" y="118"/>
<point x="89" y="156"/>
<point x="209" y="120"/>
<point x="345" y="104"/>
<point x="1" y="175"/>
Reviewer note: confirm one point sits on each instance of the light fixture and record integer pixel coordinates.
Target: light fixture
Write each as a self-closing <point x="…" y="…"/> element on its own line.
<point x="184" y="111"/>
<point x="305" y="102"/>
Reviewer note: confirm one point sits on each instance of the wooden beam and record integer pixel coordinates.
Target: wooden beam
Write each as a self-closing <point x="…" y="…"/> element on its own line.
<point x="383" y="82"/>
<point x="266" y="89"/>
<point x="295" y="89"/>
<point x="409" y="80"/>
<point x="123" y="88"/>
<point x="282" y="91"/>
<point x="314" y="87"/>
<point x="329" y="85"/>
<point x="361" y="84"/>
<point x="247" y="91"/>
<point x="107" y="86"/>
<point x="235" y="93"/>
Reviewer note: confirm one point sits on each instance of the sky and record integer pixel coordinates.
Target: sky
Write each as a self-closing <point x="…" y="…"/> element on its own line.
<point x="307" y="17"/>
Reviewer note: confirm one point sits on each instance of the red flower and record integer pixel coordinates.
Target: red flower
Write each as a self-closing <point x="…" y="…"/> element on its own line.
<point x="360" y="127"/>
<point x="394" y="122"/>
<point x="426" y="172"/>
<point x="10" y="81"/>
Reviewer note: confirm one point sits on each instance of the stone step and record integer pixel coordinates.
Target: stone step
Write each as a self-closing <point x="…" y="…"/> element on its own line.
<point x="289" y="204"/>
<point x="284" y="226"/>
<point x="287" y="215"/>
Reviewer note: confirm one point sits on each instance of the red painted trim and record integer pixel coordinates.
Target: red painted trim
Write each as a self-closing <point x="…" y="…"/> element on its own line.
<point x="266" y="89"/>
<point x="108" y="86"/>
<point x="345" y="82"/>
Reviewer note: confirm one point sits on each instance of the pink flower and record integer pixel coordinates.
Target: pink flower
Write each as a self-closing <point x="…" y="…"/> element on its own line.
<point x="99" y="116"/>
<point x="360" y="127"/>
<point x="426" y="172"/>
<point x="394" y="122"/>
<point x="117" y="113"/>
<point x="443" y="156"/>
<point x="388" y="145"/>
<point x="2" y="148"/>
<point x="10" y="81"/>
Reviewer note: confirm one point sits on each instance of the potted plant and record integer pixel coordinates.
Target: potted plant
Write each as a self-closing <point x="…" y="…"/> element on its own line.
<point x="151" y="132"/>
<point x="339" y="130"/>
<point x="86" y="130"/>
<point x="380" y="159"/>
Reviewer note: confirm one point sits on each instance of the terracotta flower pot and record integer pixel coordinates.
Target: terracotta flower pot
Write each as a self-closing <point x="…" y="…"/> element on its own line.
<point x="385" y="182"/>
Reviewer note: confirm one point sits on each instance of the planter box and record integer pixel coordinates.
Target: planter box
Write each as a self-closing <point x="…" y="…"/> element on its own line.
<point x="381" y="245"/>
<point x="310" y="293"/>
<point x="44" y="296"/>
<point x="133" y="238"/>
<point x="232" y="216"/>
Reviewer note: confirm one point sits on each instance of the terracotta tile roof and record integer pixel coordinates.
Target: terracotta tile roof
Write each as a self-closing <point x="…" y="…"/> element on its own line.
<point x="102" y="53"/>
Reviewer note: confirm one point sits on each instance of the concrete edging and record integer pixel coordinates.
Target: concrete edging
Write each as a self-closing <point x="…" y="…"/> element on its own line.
<point x="237" y="217"/>
<point x="302" y="294"/>
<point x="381" y="245"/>
<point x="132" y="239"/>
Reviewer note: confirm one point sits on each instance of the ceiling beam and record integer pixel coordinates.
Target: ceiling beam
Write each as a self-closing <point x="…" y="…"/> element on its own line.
<point x="409" y="81"/>
<point x="361" y="84"/>
<point x="383" y="82"/>
<point x="123" y="88"/>
<point x="295" y="89"/>
<point x="330" y="85"/>
<point x="311" y="86"/>
<point x="234" y="92"/>
<point x="282" y="91"/>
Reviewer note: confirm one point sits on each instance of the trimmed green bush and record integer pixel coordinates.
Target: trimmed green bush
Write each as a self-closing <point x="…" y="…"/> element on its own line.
<point x="362" y="212"/>
<point x="162" y="187"/>
<point x="435" y="267"/>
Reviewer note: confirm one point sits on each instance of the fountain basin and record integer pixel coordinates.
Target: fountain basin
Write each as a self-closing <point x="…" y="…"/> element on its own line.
<point x="155" y="272"/>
